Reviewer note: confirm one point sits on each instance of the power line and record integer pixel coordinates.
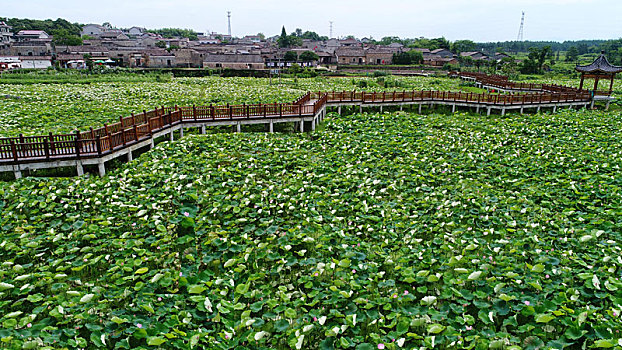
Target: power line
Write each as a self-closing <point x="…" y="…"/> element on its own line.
<point x="520" y="30"/>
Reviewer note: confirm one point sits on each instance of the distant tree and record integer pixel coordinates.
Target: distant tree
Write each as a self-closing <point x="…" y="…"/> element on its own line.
<point x="48" y="25"/>
<point x="410" y="57"/>
<point x="295" y="69"/>
<point x="388" y="40"/>
<point x="107" y="25"/>
<point x="463" y="46"/>
<point x="170" y="33"/>
<point x="309" y="56"/>
<point x="535" y="61"/>
<point x="261" y="36"/>
<point x="572" y="54"/>
<point x="294" y="41"/>
<point x="283" y="40"/>
<point x="64" y="37"/>
<point x="290" y="56"/>
<point x="582" y="48"/>
<point x="161" y="44"/>
<point x="313" y="36"/>
<point x="298" y="32"/>
<point x="173" y="47"/>
<point x="88" y="60"/>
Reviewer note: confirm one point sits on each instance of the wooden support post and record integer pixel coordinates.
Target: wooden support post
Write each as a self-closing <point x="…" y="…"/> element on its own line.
<point x="271" y="126"/>
<point x="239" y="127"/>
<point x="421" y="104"/>
<point x="538" y="111"/>
<point x="453" y="108"/>
<point x="79" y="168"/>
<point x="554" y="109"/>
<point x="203" y="129"/>
<point x="339" y="110"/>
<point x="503" y="111"/>
<point x="488" y="113"/>
<point x="171" y="136"/>
<point x="181" y="132"/>
<point x="302" y="125"/>
<point x="381" y="107"/>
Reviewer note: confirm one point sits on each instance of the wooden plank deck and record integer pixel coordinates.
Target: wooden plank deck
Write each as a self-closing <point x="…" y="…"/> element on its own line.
<point x="96" y="146"/>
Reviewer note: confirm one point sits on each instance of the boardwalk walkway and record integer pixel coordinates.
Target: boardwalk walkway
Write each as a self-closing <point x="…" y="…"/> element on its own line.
<point x="98" y="146"/>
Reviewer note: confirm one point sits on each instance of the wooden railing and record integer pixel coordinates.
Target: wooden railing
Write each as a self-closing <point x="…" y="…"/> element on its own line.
<point x="502" y="82"/>
<point x="135" y="128"/>
<point x="448" y="96"/>
<point x="89" y="144"/>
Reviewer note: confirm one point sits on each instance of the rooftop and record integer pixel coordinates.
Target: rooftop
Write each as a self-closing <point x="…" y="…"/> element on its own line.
<point x="600" y="65"/>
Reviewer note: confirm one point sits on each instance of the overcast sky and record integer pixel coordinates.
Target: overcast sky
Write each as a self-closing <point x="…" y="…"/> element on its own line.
<point x="478" y="20"/>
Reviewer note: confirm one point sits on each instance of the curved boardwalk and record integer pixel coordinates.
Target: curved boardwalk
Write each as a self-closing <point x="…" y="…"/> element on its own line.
<point x="97" y="146"/>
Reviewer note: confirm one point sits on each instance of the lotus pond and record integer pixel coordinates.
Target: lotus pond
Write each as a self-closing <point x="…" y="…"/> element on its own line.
<point x="33" y="109"/>
<point x="379" y="231"/>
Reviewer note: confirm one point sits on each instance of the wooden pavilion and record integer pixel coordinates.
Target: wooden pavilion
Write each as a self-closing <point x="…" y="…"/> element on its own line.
<point x="598" y="70"/>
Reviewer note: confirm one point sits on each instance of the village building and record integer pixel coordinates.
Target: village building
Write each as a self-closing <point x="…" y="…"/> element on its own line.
<point x="442" y="53"/>
<point x="36" y="62"/>
<point x="379" y="56"/>
<point x="136" y="31"/>
<point x="30" y="48"/>
<point x="5" y="35"/>
<point x="346" y="55"/>
<point x="253" y="62"/>
<point x="10" y="62"/>
<point x="476" y="55"/>
<point x="32" y="35"/>
<point x="94" y="30"/>
<point x="158" y="58"/>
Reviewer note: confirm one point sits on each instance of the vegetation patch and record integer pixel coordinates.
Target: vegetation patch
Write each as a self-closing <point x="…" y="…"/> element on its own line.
<point x="385" y="231"/>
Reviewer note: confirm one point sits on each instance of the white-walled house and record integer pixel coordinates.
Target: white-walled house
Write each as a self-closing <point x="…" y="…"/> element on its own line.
<point x="93" y="30"/>
<point x="36" y="62"/>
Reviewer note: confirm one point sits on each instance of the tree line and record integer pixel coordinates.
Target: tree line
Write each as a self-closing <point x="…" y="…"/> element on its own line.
<point x="63" y="31"/>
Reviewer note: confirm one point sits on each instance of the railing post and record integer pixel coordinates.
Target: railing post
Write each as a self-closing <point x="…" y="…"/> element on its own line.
<point x="77" y="144"/>
<point x="265" y="107"/>
<point x="281" y="110"/>
<point x="46" y="145"/>
<point x="53" y="145"/>
<point x="14" y="150"/>
<point x="98" y="145"/>
<point x="212" y="111"/>
<point x="194" y="112"/>
<point x="230" y="111"/>
<point x="135" y="133"/>
<point x="92" y="133"/>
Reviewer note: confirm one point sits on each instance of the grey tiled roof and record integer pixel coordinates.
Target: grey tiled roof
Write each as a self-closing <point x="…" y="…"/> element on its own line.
<point x="599" y="65"/>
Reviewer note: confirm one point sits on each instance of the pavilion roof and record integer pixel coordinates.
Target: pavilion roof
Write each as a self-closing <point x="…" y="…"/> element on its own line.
<point x="600" y="65"/>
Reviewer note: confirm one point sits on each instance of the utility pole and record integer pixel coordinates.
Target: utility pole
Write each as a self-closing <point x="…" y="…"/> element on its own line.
<point x="520" y="30"/>
<point x="229" y="21"/>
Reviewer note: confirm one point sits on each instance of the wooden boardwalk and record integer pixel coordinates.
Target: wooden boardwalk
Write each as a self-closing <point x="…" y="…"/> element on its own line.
<point x="98" y="146"/>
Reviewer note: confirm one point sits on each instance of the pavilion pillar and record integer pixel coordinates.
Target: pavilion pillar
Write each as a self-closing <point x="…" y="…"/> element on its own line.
<point x="582" y="78"/>
<point x="595" y="85"/>
<point x="611" y="84"/>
